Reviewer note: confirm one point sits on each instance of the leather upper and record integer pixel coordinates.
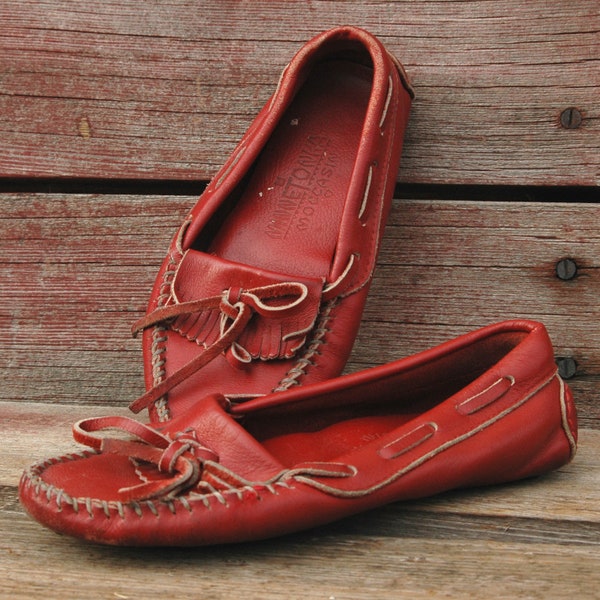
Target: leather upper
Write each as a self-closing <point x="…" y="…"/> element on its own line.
<point x="283" y="316"/>
<point x="488" y="407"/>
<point x="333" y="264"/>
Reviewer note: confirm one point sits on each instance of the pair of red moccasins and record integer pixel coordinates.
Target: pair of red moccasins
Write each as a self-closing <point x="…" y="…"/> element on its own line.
<point x="253" y="432"/>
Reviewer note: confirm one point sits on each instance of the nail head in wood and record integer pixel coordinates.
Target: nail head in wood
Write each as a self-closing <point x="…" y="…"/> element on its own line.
<point x="571" y="118"/>
<point x="567" y="367"/>
<point x="566" y="269"/>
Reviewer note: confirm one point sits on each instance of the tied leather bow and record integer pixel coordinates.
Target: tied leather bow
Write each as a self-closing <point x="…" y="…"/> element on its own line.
<point x="179" y="461"/>
<point x="237" y="307"/>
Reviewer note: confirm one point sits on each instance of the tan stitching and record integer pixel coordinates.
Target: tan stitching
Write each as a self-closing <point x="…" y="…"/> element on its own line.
<point x="387" y="101"/>
<point x="375" y="240"/>
<point x="565" y="420"/>
<point x="108" y="508"/>
<point x="363" y="205"/>
<point x="181" y="234"/>
<point x="302" y="475"/>
<point x="428" y="456"/>
<point x="408" y="441"/>
<point x="159" y="338"/>
<point x="233" y="162"/>
<point x="58" y="499"/>
<point x="403" y="76"/>
<point x="88" y="506"/>
<point x="162" y="410"/>
<point x="185" y="503"/>
<point x="331" y="286"/>
<point x="307" y="360"/>
<point x="483" y="399"/>
<point x="157" y="349"/>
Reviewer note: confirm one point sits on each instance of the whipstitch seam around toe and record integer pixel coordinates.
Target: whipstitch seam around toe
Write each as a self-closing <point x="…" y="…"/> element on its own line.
<point x="283" y="480"/>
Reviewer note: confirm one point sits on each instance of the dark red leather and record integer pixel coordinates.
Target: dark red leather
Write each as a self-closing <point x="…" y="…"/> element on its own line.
<point x="486" y="408"/>
<point x="303" y="199"/>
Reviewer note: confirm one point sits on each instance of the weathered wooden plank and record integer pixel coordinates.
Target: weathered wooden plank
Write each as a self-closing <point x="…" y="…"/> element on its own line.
<point x="76" y="271"/>
<point x="539" y="538"/>
<point x="37" y="563"/>
<point x="165" y="92"/>
<point x="33" y="431"/>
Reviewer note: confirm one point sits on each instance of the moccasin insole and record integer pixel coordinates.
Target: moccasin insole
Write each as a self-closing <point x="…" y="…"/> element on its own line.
<point x="332" y="441"/>
<point x="288" y="217"/>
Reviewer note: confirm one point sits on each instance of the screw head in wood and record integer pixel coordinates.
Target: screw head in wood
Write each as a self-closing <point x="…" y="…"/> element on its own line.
<point x="567" y="367"/>
<point x="571" y="118"/>
<point x="566" y="269"/>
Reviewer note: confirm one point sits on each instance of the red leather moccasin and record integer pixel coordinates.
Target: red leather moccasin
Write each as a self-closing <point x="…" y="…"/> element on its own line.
<point x="488" y="407"/>
<point x="263" y="286"/>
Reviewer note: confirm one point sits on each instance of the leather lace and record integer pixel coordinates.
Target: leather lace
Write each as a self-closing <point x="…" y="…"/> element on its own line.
<point x="236" y="306"/>
<point x="179" y="461"/>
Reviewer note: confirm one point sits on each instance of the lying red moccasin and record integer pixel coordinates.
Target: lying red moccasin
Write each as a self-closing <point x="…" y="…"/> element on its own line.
<point x="264" y="285"/>
<point x="488" y="407"/>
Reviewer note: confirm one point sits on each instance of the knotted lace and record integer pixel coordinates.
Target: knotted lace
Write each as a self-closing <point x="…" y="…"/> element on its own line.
<point x="179" y="461"/>
<point x="237" y="307"/>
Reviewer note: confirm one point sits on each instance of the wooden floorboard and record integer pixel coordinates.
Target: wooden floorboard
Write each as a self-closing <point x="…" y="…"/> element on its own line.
<point x="528" y="539"/>
<point x="111" y="91"/>
<point x="310" y="565"/>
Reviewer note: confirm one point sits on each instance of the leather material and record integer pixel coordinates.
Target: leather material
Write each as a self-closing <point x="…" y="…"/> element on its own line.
<point x="302" y="200"/>
<point x="485" y="408"/>
<point x="277" y="329"/>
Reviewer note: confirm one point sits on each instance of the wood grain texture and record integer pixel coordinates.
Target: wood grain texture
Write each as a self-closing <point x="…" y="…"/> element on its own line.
<point x="110" y="90"/>
<point x="76" y="271"/>
<point x="530" y="539"/>
<point x="311" y="565"/>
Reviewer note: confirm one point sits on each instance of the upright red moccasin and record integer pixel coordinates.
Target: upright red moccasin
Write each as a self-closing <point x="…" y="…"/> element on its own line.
<point x="488" y="407"/>
<point x="264" y="285"/>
